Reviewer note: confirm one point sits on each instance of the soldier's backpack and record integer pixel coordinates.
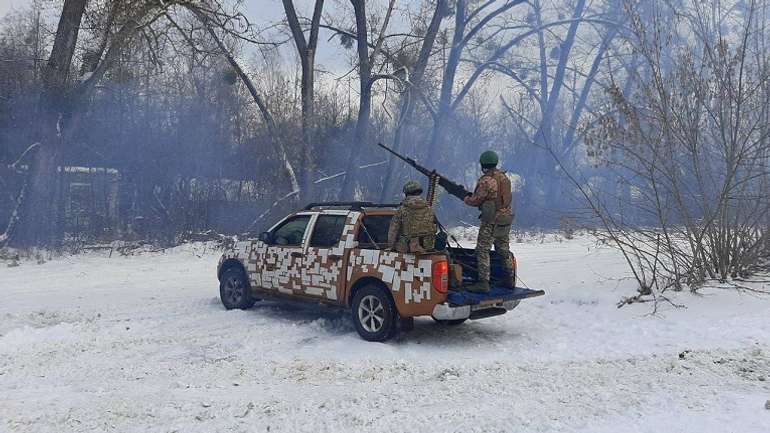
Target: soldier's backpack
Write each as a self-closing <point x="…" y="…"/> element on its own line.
<point x="418" y="229"/>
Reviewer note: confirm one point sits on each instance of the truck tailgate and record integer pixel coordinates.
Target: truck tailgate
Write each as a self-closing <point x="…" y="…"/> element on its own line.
<point x="495" y="295"/>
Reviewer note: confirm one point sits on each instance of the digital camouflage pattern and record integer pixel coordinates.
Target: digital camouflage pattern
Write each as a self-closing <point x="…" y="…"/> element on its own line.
<point x="499" y="236"/>
<point x="328" y="274"/>
<point x="413" y="227"/>
<point x="408" y="276"/>
<point x="493" y="190"/>
<point x="494" y="186"/>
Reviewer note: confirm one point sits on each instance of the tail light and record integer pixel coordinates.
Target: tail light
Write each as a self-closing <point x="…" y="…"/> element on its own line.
<point x="440" y="276"/>
<point x="513" y="261"/>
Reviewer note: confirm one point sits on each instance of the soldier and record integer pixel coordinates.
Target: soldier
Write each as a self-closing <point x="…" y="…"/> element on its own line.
<point x="413" y="227"/>
<point x="493" y="197"/>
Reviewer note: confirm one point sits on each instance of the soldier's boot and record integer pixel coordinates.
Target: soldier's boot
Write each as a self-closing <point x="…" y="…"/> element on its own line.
<point x="481" y="286"/>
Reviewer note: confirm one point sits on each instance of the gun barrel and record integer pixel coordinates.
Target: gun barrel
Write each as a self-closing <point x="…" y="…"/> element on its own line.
<point x="455" y="189"/>
<point x="406" y="159"/>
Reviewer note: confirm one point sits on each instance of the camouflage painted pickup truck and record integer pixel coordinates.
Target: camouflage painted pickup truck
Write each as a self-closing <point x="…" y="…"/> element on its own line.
<point x="336" y="253"/>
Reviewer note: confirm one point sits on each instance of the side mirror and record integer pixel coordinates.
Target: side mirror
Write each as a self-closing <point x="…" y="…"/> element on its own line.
<point x="266" y="237"/>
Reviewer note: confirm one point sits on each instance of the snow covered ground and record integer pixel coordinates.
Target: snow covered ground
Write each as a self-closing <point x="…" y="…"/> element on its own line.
<point x="141" y="343"/>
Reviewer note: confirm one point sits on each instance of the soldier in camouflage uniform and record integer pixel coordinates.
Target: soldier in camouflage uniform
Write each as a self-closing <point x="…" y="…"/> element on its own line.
<point x="413" y="227"/>
<point x="493" y="196"/>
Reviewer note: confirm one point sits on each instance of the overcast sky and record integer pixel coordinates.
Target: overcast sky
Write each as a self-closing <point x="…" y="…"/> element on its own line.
<point x="260" y="12"/>
<point x="6" y="5"/>
<point x="256" y="9"/>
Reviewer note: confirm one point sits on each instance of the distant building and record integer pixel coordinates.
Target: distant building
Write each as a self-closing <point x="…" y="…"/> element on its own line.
<point x="107" y="203"/>
<point x="89" y="202"/>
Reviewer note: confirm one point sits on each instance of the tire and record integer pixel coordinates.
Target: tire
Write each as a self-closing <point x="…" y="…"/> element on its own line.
<point x="374" y="313"/>
<point x="454" y="322"/>
<point x="234" y="290"/>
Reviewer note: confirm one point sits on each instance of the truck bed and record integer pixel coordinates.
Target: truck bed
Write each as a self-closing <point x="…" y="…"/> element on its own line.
<point x="467" y="258"/>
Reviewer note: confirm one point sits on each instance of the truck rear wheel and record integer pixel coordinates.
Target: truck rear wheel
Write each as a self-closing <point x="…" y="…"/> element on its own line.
<point x="374" y="313"/>
<point x="234" y="290"/>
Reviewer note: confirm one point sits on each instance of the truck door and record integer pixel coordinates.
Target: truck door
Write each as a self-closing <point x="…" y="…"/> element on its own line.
<point x="323" y="263"/>
<point x="282" y="269"/>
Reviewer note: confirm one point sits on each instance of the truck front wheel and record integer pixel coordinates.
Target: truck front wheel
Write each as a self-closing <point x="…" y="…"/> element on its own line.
<point x="374" y="313"/>
<point x="234" y="290"/>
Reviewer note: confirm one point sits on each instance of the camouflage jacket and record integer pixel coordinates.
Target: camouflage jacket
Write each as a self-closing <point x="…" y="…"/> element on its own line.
<point x="494" y="186"/>
<point x="413" y="227"/>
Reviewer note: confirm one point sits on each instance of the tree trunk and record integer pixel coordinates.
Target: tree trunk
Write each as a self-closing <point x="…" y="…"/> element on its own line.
<point x="408" y="100"/>
<point x="447" y="84"/>
<point x="543" y="136"/>
<point x="306" y="50"/>
<point x="569" y="138"/>
<point x="364" y="100"/>
<point x="35" y="221"/>
<point x="308" y="127"/>
<point x="272" y="128"/>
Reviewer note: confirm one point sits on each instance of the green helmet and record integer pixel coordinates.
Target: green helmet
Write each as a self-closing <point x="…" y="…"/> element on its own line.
<point x="412" y="188"/>
<point x="489" y="158"/>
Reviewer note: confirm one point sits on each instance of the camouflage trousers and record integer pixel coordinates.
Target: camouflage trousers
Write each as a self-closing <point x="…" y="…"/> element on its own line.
<point x="499" y="236"/>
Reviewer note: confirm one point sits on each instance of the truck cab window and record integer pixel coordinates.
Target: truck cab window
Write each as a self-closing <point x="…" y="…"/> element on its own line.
<point x="291" y="231"/>
<point x="328" y="231"/>
<point x="375" y="226"/>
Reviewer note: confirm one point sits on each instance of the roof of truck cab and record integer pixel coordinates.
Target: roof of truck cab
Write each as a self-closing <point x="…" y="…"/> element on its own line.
<point x="352" y="205"/>
<point x="337" y="211"/>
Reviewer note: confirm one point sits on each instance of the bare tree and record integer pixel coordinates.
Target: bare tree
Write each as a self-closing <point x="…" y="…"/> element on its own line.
<point x="278" y="144"/>
<point x="415" y="90"/>
<point x="306" y="51"/>
<point x="692" y="144"/>
<point x="468" y="24"/>
<point x="366" y="80"/>
<point x="36" y="219"/>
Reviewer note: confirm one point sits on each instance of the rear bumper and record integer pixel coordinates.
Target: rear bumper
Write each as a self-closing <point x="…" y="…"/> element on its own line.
<point x="468" y="305"/>
<point x="449" y="312"/>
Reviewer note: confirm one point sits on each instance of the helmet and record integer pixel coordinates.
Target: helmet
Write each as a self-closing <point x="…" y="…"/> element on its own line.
<point x="489" y="158"/>
<point x="412" y="188"/>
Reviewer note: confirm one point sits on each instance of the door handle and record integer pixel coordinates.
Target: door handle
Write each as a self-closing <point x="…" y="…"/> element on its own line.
<point x="296" y="254"/>
<point x="334" y="257"/>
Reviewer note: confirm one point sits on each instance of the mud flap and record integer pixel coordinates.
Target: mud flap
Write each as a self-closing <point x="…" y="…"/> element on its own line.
<point x="405" y="324"/>
<point x="483" y="313"/>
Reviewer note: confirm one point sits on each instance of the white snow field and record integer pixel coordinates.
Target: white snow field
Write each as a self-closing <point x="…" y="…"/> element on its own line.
<point x="142" y="344"/>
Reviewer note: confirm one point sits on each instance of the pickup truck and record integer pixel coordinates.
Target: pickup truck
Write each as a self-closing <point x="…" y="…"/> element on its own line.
<point x="336" y="253"/>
